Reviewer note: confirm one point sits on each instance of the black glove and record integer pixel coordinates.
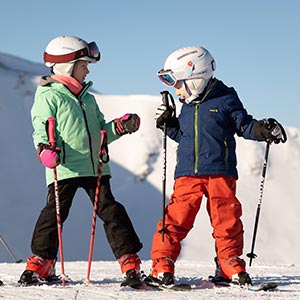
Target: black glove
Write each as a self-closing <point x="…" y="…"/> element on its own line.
<point x="129" y="123"/>
<point x="269" y="130"/>
<point x="166" y="115"/>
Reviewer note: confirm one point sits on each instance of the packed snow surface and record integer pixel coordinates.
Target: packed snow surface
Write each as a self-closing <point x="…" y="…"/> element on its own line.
<point x="106" y="280"/>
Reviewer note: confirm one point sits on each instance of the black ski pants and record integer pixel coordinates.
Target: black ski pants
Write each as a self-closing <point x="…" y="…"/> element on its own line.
<point x="117" y="225"/>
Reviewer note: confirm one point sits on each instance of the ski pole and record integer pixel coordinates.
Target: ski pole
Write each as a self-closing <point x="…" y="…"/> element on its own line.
<point x="165" y="100"/>
<point x="52" y="142"/>
<point x="252" y="255"/>
<point x="9" y="251"/>
<point x="103" y="158"/>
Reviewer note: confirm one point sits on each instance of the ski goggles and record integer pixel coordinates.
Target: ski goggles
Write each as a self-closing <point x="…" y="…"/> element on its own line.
<point x="167" y="77"/>
<point x="91" y="51"/>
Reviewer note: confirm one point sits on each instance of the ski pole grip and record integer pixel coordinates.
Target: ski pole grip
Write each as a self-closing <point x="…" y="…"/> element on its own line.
<point x="51" y="130"/>
<point x="103" y="139"/>
<point x="165" y="98"/>
<point x="103" y="153"/>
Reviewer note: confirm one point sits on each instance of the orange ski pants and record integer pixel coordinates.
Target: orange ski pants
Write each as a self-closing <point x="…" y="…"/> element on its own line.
<point x="224" y="210"/>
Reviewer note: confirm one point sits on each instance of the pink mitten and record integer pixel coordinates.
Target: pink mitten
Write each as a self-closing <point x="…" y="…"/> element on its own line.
<point x="48" y="156"/>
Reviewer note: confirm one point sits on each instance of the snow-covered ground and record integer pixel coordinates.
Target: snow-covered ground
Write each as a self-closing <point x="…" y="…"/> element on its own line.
<point x="106" y="279"/>
<point x="136" y="163"/>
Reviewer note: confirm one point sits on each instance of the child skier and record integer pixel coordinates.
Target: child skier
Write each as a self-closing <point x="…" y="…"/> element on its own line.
<point x="64" y="95"/>
<point x="211" y="115"/>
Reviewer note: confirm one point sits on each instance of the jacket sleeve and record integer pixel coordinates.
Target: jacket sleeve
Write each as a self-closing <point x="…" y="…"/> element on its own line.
<point x="174" y="134"/>
<point x="43" y="108"/>
<point x="241" y="120"/>
<point x="109" y="127"/>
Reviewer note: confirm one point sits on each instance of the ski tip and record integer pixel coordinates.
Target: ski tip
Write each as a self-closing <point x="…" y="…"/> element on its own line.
<point x="181" y="287"/>
<point x="268" y="286"/>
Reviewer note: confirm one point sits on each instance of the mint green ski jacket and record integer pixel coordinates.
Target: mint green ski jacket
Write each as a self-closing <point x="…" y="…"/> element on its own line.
<point x="77" y="128"/>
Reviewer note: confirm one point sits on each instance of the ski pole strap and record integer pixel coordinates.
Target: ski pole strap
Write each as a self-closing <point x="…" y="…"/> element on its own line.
<point x="271" y="124"/>
<point x="284" y="136"/>
<point x="103" y="153"/>
<point x="165" y="99"/>
<point x="51" y="131"/>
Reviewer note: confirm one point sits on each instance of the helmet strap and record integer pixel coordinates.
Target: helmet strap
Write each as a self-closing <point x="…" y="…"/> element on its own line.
<point x="187" y="88"/>
<point x="197" y="87"/>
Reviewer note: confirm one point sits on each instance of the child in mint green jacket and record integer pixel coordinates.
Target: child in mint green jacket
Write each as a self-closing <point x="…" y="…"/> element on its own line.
<point x="64" y="95"/>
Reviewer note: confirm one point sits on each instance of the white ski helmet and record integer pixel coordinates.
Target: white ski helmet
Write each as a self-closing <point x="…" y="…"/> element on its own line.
<point x="63" y="51"/>
<point x="194" y="65"/>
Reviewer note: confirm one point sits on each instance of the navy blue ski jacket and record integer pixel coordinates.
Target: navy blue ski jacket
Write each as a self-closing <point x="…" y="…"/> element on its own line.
<point x="206" y="129"/>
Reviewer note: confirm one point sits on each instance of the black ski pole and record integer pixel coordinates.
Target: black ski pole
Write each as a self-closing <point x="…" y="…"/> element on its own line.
<point x="165" y="100"/>
<point x="9" y="251"/>
<point x="252" y="255"/>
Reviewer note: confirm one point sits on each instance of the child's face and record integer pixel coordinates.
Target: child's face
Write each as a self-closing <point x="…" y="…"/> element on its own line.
<point x="180" y="90"/>
<point x="81" y="70"/>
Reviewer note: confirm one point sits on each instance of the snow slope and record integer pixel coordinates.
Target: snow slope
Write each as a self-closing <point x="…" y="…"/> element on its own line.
<point x="106" y="283"/>
<point x="136" y="162"/>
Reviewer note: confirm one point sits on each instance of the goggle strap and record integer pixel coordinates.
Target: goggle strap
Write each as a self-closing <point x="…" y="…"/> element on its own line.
<point x="92" y="47"/>
<point x="65" y="57"/>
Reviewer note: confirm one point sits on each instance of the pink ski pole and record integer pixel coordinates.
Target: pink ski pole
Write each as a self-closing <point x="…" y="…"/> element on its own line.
<point x="102" y="152"/>
<point x="52" y="142"/>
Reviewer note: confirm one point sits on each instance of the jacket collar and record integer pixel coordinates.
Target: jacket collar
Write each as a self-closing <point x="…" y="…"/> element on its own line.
<point x="47" y="80"/>
<point x="215" y="88"/>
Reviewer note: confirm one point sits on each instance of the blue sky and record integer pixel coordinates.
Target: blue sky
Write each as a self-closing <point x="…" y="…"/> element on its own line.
<point x="255" y="43"/>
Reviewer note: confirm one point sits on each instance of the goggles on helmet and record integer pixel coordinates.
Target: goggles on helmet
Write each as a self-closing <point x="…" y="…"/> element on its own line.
<point x="167" y="77"/>
<point x="91" y="51"/>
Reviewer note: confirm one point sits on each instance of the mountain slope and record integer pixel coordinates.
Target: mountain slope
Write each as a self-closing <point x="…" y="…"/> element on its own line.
<point x="136" y="162"/>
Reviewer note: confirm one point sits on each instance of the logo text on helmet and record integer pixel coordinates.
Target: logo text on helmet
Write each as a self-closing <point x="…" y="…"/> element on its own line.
<point x="200" y="73"/>
<point x="186" y="54"/>
<point x="68" y="48"/>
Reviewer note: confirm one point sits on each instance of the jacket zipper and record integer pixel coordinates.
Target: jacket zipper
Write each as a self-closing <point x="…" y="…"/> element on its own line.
<point x="64" y="152"/>
<point x="196" y="127"/>
<point x="82" y="106"/>
<point x="196" y="138"/>
<point x="226" y="153"/>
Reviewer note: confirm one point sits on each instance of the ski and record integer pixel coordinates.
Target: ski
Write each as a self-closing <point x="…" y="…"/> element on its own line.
<point x="132" y="279"/>
<point x="55" y="280"/>
<point x="268" y="286"/>
<point x="181" y="287"/>
<point x="154" y="284"/>
<point x="205" y="284"/>
<point x="133" y="283"/>
<point x="39" y="283"/>
<point x="265" y="286"/>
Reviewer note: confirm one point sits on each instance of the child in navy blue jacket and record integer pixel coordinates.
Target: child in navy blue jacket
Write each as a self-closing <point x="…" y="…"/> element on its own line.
<point x="211" y="115"/>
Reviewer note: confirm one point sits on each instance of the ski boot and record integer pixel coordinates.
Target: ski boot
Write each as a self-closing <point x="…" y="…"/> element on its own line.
<point x="130" y="267"/>
<point x="219" y="276"/>
<point x="162" y="272"/>
<point x="241" y="279"/>
<point x="38" y="270"/>
<point x="132" y="279"/>
<point x="166" y="279"/>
